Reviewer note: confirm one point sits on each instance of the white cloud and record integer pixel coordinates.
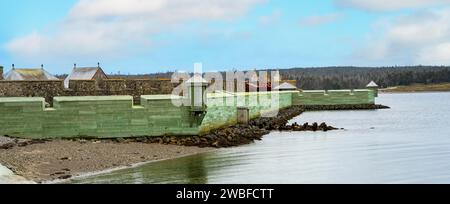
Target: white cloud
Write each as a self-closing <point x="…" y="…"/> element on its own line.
<point x="389" y="5"/>
<point x="419" y="38"/>
<point x="95" y="28"/>
<point x="321" y="19"/>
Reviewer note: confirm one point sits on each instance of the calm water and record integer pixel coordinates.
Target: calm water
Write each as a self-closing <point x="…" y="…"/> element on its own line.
<point x="409" y="143"/>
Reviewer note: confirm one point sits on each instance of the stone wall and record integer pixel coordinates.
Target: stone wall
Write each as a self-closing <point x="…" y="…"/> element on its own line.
<point x="334" y="97"/>
<point x="45" y="89"/>
<point x="92" y="117"/>
<point x="50" y="89"/>
<point x="116" y="116"/>
<point x="222" y="108"/>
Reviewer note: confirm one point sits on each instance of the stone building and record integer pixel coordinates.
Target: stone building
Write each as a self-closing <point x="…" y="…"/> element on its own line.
<point x="85" y="73"/>
<point x="28" y="74"/>
<point x="373" y="86"/>
<point x="1" y="72"/>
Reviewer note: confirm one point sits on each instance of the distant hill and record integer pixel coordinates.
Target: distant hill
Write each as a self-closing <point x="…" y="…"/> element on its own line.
<point x="350" y="77"/>
<point x="359" y="77"/>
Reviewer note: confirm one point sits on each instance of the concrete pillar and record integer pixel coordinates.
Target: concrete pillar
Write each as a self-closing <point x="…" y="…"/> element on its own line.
<point x="243" y="115"/>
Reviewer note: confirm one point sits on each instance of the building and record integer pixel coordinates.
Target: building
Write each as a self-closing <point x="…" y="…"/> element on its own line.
<point x="373" y="86"/>
<point x="28" y="74"/>
<point x="85" y="73"/>
<point x="285" y="87"/>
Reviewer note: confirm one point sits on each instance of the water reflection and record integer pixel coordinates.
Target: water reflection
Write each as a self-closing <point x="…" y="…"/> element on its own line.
<point x="184" y="170"/>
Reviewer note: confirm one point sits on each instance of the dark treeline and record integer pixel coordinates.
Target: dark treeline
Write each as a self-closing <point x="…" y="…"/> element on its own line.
<point x="349" y="77"/>
<point x="359" y="77"/>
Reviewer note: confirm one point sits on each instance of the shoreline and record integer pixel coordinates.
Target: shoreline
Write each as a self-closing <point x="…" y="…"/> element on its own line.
<point x="58" y="161"/>
<point x="412" y="92"/>
<point x="418" y="88"/>
<point x="106" y="171"/>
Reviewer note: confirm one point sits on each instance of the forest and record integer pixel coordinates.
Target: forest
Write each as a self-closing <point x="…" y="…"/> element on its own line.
<point x="359" y="77"/>
<point x="350" y="77"/>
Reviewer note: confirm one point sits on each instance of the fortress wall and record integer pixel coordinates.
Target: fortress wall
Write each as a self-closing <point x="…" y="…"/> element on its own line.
<point x="334" y="97"/>
<point x="116" y="116"/>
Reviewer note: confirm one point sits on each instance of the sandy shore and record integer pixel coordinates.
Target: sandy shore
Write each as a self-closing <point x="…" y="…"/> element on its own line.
<point x="63" y="159"/>
<point x="443" y="87"/>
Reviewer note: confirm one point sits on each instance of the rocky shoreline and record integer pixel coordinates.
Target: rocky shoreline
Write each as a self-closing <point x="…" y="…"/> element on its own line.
<point x="345" y="107"/>
<point x="245" y="134"/>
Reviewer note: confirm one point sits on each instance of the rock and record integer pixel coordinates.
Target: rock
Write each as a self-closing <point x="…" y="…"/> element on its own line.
<point x="82" y="141"/>
<point x="7" y="145"/>
<point x="66" y="158"/>
<point x="120" y="140"/>
<point x="315" y="127"/>
<point x="65" y="177"/>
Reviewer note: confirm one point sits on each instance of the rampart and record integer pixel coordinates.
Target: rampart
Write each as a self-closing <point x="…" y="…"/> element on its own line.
<point x="117" y="116"/>
<point x="334" y="97"/>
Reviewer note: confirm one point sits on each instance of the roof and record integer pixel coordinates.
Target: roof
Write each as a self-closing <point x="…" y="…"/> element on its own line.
<point x="286" y="86"/>
<point x="82" y="73"/>
<point x="28" y="74"/>
<point x="197" y="79"/>
<point x="372" y="84"/>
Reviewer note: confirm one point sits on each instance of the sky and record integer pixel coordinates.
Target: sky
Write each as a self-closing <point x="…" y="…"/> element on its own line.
<point x="148" y="36"/>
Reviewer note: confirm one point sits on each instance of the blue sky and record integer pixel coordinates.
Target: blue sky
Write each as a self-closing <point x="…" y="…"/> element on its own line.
<point x="136" y="36"/>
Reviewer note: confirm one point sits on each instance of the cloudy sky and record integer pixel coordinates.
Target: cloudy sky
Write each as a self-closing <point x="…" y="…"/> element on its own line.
<point x="142" y="36"/>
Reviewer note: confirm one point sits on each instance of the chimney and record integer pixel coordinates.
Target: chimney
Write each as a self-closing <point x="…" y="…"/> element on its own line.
<point x="1" y="72"/>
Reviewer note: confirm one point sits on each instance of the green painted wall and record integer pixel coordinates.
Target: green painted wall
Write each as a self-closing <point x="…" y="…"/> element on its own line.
<point x="334" y="97"/>
<point x="115" y="116"/>
<point x="100" y="117"/>
<point x="222" y="107"/>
